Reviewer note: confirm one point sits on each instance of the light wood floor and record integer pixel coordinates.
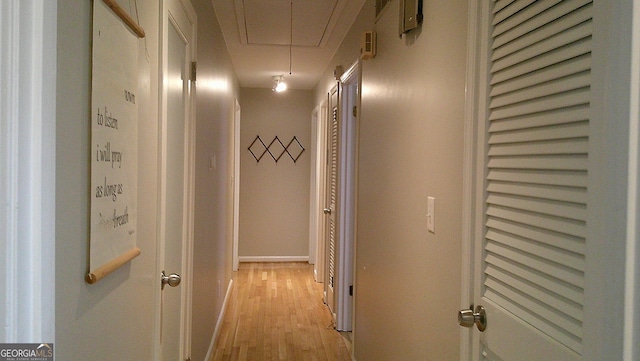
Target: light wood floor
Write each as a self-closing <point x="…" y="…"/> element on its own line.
<point x="276" y="313"/>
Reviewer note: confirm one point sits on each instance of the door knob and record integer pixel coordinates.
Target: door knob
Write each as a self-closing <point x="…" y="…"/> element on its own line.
<point x="172" y="280"/>
<point x="327" y="211"/>
<point x="468" y="318"/>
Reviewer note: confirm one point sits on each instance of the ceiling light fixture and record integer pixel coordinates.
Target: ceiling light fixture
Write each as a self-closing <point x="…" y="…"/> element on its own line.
<point x="278" y="84"/>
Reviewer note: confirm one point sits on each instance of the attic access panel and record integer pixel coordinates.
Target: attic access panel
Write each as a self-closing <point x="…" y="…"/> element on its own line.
<point x="269" y="22"/>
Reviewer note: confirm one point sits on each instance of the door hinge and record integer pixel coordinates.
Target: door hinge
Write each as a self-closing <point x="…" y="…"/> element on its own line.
<point x="355" y="111"/>
<point x="193" y="70"/>
<point x="351" y="290"/>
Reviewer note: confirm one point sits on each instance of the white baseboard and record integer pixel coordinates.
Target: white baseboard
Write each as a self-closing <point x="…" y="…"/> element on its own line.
<point x="216" y="330"/>
<point x="274" y="259"/>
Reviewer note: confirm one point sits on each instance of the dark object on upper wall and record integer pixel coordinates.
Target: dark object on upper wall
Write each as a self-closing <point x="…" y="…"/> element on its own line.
<point x="380" y="5"/>
<point x="410" y="15"/>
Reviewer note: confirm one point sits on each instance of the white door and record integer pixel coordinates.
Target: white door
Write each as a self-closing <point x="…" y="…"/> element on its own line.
<point x="331" y="208"/>
<point x="528" y="204"/>
<point x="176" y="228"/>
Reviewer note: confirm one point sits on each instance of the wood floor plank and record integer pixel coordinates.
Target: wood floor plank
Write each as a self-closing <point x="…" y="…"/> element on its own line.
<point x="276" y="313"/>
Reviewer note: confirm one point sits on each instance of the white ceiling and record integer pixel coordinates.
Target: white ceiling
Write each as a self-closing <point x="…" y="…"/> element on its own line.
<point x="260" y="37"/>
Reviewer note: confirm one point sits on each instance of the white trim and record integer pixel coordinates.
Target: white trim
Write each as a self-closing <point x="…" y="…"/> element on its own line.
<point x="469" y="172"/>
<point x="353" y="70"/>
<point x="28" y="33"/>
<point x="236" y="183"/>
<point x="219" y="322"/>
<point x="349" y="83"/>
<point x="608" y="181"/>
<point x="245" y="259"/>
<point x="313" y="198"/>
<point x="632" y="272"/>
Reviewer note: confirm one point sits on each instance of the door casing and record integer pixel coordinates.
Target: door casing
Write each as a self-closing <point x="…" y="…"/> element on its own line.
<point x="348" y="157"/>
<point x="236" y="183"/>
<point x="319" y="191"/>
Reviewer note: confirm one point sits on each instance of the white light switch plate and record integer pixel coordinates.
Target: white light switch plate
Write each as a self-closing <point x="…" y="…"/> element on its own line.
<point x="431" y="214"/>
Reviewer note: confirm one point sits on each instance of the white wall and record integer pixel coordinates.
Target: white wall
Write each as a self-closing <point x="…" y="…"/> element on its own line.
<point x="274" y="197"/>
<point x="216" y="89"/>
<point x="114" y="319"/>
<point x="407" y="290"/>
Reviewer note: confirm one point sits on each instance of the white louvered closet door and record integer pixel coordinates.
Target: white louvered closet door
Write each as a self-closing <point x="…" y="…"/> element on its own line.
<point x="534" y="138"/>
<point x="332" y="250"/>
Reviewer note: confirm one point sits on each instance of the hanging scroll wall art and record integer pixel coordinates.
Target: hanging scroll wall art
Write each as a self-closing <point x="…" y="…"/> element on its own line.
<point x="276" y="149"/>
<point x="114" y="140"/>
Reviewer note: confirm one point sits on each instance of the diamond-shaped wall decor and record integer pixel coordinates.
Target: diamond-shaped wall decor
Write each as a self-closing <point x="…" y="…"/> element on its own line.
<point x="276" y="149"/>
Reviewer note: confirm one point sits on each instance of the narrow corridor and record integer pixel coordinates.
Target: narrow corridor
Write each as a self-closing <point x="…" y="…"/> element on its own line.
<point x="276" y="313"/>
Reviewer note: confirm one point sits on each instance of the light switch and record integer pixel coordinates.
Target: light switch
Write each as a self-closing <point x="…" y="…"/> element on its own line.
<point x="212" y="161"/>
<point x="431" y="214"/>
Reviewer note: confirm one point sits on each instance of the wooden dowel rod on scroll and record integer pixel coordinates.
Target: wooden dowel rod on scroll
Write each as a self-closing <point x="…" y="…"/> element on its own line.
<point x="114" y="264"/>
<point x="125" y="17"/>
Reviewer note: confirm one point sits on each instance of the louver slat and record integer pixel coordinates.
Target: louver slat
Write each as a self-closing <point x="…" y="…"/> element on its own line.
<point x="571" y="310"/>
<point x="547" y="147"/>
<point x="537" y="158"/>
<point x="564" y="131"/>
<point x="552" y="117"/>
<point x="569" y="291"/>
<point x="572" y="228"/>
<point x="525" y="35"/>
<point x="511" y="9"/>
<point x="567" y="83"/>
<point x="558" y="56"/>
<point x="501" y="4"/>
<point x="571" y="179"/>
<point x="558" y="101"/>
<point x="563" y="242"/>
<point x="520" y="24"/>
<point x="564" y="194"/>
<point x="571" y="66"/>
<point x="538" y="205"/>
<point x="514" y="55"/>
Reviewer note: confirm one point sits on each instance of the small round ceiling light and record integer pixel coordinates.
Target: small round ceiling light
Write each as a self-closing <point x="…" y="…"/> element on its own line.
<point x="278" y="84"/>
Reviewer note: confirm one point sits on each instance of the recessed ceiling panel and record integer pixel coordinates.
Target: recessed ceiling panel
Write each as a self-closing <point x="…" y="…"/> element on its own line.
<point x="257" y="33"/>
<point x="268" y="22"/>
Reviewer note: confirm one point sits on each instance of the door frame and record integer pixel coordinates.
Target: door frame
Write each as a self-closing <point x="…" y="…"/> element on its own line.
<point x="236" y="184"/>
<point x="469" y="172"/>
<point x="632" y="286"/>
<point x="28" y="168"/>
<point x="350" y="84"/>
<point x="318" y="190"/>
<point x="168" y="12"/>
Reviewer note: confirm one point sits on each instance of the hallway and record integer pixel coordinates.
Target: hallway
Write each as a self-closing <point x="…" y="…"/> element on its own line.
<point x="276" y="313"/>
